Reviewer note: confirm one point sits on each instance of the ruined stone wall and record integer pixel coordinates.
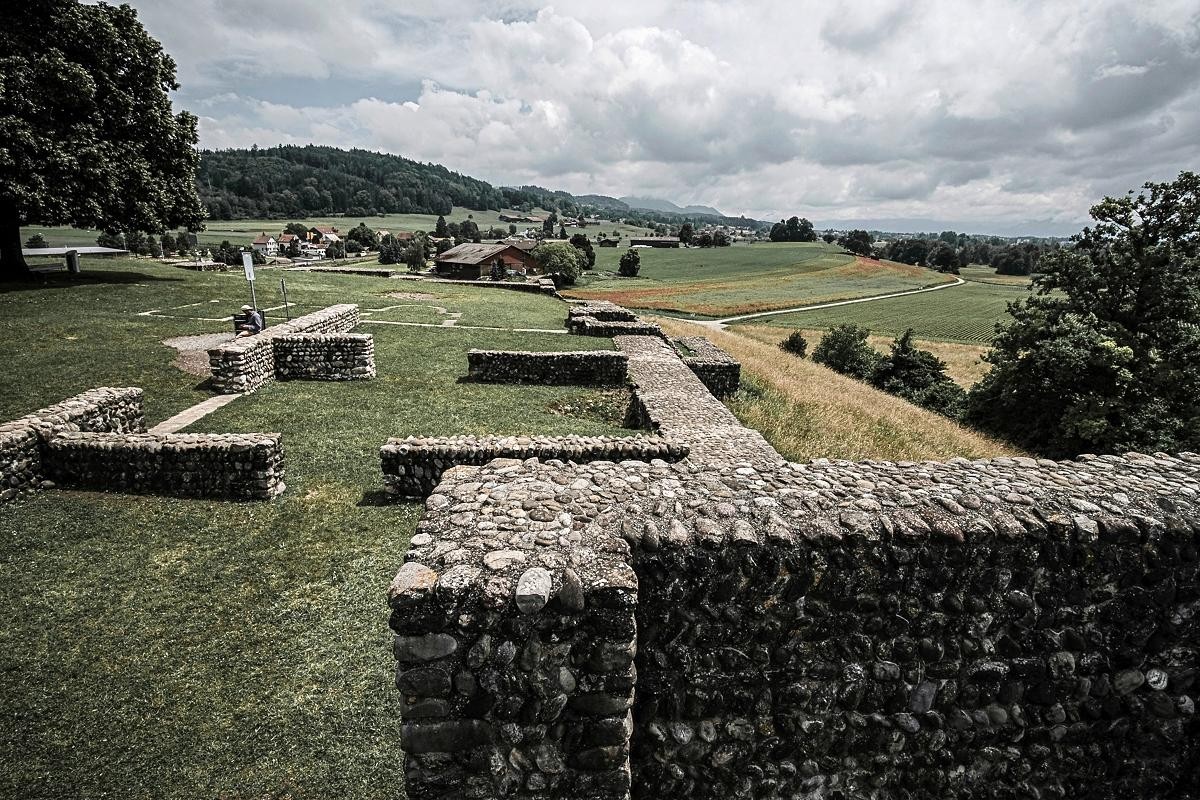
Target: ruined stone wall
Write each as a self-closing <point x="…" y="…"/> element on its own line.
<point x="998" y="628"/>
<point x="718" y="370"/>
<point x="217" y="466"/>
<point x="603" y="311"/>
<point x="590" y="326"/>
<point x="324" y="356"/>
<point x="587" y="368"/>
<point x="248" y="363"/>
<point x="23" y="440"/>
<point x="412" y="467"/>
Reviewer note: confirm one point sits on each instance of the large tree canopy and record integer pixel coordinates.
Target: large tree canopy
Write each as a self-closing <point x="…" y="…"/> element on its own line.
<point x="1105" y="357"/>
<point x="87" y="133"/>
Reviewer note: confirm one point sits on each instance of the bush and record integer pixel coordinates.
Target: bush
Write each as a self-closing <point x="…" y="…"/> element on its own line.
<point x="795" y="344"/>
<point x="919" y="377"/>
<point x="631" y="264"/>
<point x="37" y="242"/>
<point x="844" y="349"/>
<point x="562" y="262"/>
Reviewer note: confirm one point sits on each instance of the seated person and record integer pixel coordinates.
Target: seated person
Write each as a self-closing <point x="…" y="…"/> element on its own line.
<point x="251" y="323"/>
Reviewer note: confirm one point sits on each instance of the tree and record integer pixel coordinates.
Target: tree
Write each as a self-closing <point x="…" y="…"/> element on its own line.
<point x="296" y="229"/>
<point x="857" y="242"/>
<point x="364" y="236"/>
<point x="562" y="231"/>
<point x="89" y="136"/>
<point x="1105" y="356"/>
<point x="512" y="229"/>
<point x="942" y="257"/>
<point x="36" y="242"/>
<point x="499" y="272"/>
<point x="166" y="243"/>
<point x="795" y="343"/>
<point x="440" y="230"/>
<point x="390" y="251"/>
<point x="686" y="231"/>
<point x="795" y="229"/>
<point x="443" y="246"/>
<point x="705" y="239"/>
<point x="584" y="245"/>
<point x="110" y="239"/>
<point x="560" y="261"/>
<point x="720" y="239"/>
<point x="844" y="349"/>
<point x="336" y="250"/>
<point x="829" y="237"/>
<point x="413" y="256"/>
<point x="293" y="249"/>
<point x="630" y="264"/>
<point x="919" y="377"/>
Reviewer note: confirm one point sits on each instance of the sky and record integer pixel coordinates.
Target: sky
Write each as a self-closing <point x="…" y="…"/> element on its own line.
<point x="991" y="115"/>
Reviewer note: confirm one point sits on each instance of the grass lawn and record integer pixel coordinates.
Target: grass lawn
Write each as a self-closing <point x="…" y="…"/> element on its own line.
<point x="967" y="313"/>
<point x="743" y="278"/>
<point x="243" y="231"/>
<point x="157" y="647"/>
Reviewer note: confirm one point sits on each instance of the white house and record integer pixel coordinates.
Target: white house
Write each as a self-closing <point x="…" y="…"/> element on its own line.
<point x="267" y="245"/>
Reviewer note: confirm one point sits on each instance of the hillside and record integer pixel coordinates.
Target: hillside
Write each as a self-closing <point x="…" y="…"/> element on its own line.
<point x="658" y="204"/>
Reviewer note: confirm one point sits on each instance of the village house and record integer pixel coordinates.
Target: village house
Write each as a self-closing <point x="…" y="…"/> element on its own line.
<point x="472" y="261"/>
<point x="285" y="241"/>
<point x="605" y="241"/>
<point x="267" y="245"/>
<point x="323" y="234"/>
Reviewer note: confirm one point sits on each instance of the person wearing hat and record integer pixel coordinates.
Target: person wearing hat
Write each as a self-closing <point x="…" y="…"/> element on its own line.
<point x="251" y="322"/>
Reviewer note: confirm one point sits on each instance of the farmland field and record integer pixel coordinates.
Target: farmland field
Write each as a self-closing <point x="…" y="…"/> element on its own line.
<point x="967" y="313"/>
<point x="720" y="282"/>
<point x="243" y="231"/>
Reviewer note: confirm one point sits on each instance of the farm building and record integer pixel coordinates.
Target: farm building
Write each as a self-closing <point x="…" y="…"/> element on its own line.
<point x="654" y="241"/>
<point x="606" y="242"/>
<point x="472" y="261"/>
<point x="323" y="233"/>
<point x="267" y="245"/>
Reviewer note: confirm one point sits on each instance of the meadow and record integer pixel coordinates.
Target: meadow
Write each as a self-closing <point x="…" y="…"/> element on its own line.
<point x="243" y="231"/>
<point x="744" y="278"/>
<point x="967" y="314"/>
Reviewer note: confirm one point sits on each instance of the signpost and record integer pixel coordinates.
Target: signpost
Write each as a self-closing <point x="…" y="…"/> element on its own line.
<point x="248" y="266"/>
<point x="286" y="308"/>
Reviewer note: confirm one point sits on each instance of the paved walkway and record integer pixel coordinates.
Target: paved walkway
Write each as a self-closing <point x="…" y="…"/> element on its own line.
<point x="196" y="412"/>
<point x="718" y="324"/>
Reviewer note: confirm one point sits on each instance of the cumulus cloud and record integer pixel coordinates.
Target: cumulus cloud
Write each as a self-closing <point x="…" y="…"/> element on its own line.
<point x="992" y="112"/>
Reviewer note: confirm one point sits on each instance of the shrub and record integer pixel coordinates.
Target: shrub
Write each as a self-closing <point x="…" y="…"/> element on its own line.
<point x="844" y="349"/>
<point x="631" y="264"/>
<point x="795" y="344"/>
<point x="37" y="242"/>
<point x="919" y="377"/>
<point x="562" y="262"/>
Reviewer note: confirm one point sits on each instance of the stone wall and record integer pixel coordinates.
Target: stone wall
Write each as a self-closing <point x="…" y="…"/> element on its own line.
<point x="217" y="466"/>
<point x="412" y="467"/>
<point x="718" y="370"/>
<point x="248" y="363"/>
<point x="588" y="368"/>
<point x="23" y="440"/>
<point x="995" y="628"/>
<point x="603" y="311"/>
<point x="324" y="356"/>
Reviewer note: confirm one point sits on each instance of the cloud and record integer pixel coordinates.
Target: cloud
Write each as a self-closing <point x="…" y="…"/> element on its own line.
<point x="997" y="110"/>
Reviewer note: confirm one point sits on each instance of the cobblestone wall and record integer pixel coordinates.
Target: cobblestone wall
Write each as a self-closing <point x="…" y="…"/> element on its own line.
<point x="324" y="356"/>
<point x="248" y="363"/>
<point x="587" y="368"/>
<point x="218" y="466"/>
<point x="22" y="441"/>
<point x="412" y="467"/>
<point x="1002" y="628"/>
<point x="718" y="370"/>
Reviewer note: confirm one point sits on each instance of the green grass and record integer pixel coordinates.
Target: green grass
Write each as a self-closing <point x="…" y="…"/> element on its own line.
<point x="158" y="647"/>
<point x="744" y="278"/>
<point x="967" y="313"/>
<point x="243" y="231"/>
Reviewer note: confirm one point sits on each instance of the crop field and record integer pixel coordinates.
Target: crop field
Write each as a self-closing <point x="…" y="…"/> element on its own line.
<point x="967" y="313"/>
<point x="243" y="231"/>
<point x="745" y="278"/>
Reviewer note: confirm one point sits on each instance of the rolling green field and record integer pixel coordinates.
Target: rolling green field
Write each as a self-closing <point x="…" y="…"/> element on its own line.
<point x="162" y="648"/>
<point x="967" y="313"/>
<point x="743" y="278"/>
<point x="243" y="231"/>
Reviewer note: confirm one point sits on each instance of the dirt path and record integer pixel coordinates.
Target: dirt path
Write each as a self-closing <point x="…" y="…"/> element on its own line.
<point x="718" y="324"/>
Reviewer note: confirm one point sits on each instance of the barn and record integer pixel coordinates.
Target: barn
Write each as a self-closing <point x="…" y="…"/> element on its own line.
<point x="472" y="261"/>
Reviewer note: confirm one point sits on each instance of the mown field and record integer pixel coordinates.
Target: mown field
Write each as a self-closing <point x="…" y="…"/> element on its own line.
<point x="163" y="648"/>
<point x="744" y="278"/>
<point x="967" y="313"/>
<point x="243" y="231"/>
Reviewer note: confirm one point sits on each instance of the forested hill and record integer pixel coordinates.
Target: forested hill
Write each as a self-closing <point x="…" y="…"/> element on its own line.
<point x="289" y="181"/>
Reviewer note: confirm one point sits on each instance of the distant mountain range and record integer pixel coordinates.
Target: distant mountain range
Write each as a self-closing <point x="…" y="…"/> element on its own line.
<point x="658" y="204"/>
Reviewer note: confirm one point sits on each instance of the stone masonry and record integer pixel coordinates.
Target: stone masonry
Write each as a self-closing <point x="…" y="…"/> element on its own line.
<point x="608" y="320"/>
<point x="719" y="371"/>
<point x="588" y="368"/>
<point x="413" y="467"/>
<point x="248" y="363"/>
<point x="733" y="625"/>
<point x="324" y="357"/>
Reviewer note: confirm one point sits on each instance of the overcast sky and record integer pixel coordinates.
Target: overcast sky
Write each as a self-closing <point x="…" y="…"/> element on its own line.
<point x="995" y="115"/>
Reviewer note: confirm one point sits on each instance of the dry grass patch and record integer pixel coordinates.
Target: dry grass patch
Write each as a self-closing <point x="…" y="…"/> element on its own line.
<point x="964" y="362"/>
<point x="808" y="411"/>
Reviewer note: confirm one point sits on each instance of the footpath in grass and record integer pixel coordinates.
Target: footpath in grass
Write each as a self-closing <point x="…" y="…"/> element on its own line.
<point x="967" y="313"/>
<point x="163" y="648"/>
<point x="744" y="278"/>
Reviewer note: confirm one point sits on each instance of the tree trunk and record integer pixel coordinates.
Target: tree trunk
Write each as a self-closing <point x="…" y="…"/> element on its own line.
<point x="12" y="260"/>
